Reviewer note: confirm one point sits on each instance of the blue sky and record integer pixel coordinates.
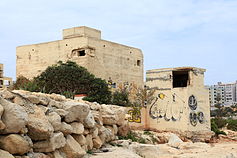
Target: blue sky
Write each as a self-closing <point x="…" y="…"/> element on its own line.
<point x="171" y="33"/>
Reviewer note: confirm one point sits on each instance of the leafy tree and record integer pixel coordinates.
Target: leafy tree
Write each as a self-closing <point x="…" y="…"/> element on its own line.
<point x="26" y="84"/>
<point x="98" y="91"/>
<point x="69" y="79"/>
<point x="120" y="97"/>
<point x="65" y="77"/>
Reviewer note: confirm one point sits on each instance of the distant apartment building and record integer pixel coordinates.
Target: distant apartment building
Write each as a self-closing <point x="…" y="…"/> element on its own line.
<point x="4" y="81"/>
<point x="225" y="94"/>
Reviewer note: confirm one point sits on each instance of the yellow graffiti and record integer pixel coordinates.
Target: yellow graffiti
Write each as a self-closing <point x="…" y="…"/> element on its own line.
<point x="161" y="96"/>
<point x="135" y="115"/>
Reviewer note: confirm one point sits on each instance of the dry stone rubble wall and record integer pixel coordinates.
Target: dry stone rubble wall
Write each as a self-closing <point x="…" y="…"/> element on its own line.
<point x="38" y="125"/>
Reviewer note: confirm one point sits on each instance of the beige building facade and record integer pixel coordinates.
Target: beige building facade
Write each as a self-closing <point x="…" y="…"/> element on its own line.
<point x="4" y="81"/>
<point x="181" y="101"/>
<point x="116" y="63"/>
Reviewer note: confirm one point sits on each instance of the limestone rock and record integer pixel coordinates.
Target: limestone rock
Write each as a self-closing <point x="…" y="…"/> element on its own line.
<point x="55" y="142"/>
<point x="15" y="144"/>
<point x="89" y="142"/>
<point x="18" y="100"/>
<point x="97" y="117"/>
<point x="2" y="125"/>
<point x="39" y="155"/>
<point x="97" y="143"/>
<point x="33" y="99"/>
<point x="39" y="126"/>
<point x="57" y="97"/>
<point x="120" y="112"/>
<point x="78" y="128"/>
<point x="95" y="133"/>
<point x="72" y="149"/>
<point x="146" y="150"/>
<point x="89" y="121"/>
<point x="81" y="139"/>
<point x="174" y="141"/>
<point x="55" y="120"/>
<point x="105" y="134"/>
<point x="124" y="129"/>
<point x="76" y="111"/>
<point x="61" y="112"/>
<point x="58" y="154"/>
<point x="6" y="94"/>
<point x="66" y="128"/>
<point x="56" y="104"/>
<point x="5" y="154"/>
<point x="13" y="112"/>
<point x="43" y="100"/>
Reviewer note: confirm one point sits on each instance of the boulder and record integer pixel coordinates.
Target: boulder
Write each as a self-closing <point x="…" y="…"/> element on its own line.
<point x="105" y="134"/>
<point x="39" y="126"/>
<point x="57" y="97"/>
<point x="33" y="99"/>
<point x="97" y="117"/>
<point x="97" y="143"/>
<point x="55" y="120"/>
<point x="123" y="129"/>
<point x="76" y="111"/>
<point x="15" y="144"/>
<point x="77" y="128"/>
<point x="53" y="103"/>
<point x="55" y="142"/>
<point x="81" y="139"/>
<point x="13" y="112"/>
<point x="95" y="132"/>
<point x="89" y="142"/>
<point x="61" y="112"/>
<point x="72" y="149"/>
<point x="66" y="128"/>
<point x="120" y="113"/>
<point x="145" y="150"/>
<point x="58" y="154"/>
<point x="19" y="100"/>
<point x="43" y="100"/>
<point x="7" y="95"/>
<point x="174" y="141"/>
<point x="89" y="121"/>
<point x="2" y="125"/>
<point x="5" y="154"/>
<point x="38" y="155"/>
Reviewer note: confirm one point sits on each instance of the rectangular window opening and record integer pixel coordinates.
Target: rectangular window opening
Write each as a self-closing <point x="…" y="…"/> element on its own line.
<point x="180" y="78"/>
<point x="138" y="62"/>
<point x="81" y="53"/>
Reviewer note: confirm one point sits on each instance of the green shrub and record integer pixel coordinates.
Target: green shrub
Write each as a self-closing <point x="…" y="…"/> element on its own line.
<point x="215" y="128"/>
<point x="120" y="98"/>
<point x="232" y="124"/>
<point x="220" y="122"/>
<point x="26" y="84"/>
<point x="147" y="133"/>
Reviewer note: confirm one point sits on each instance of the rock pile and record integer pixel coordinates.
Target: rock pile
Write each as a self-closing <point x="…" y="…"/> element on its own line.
<point x="37" y="125"/>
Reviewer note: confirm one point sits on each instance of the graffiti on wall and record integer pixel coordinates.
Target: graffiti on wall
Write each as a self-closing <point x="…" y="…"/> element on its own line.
<point x="169" y="107"/>
<point x="194" y="116"/>
<point x="135" y="115"/>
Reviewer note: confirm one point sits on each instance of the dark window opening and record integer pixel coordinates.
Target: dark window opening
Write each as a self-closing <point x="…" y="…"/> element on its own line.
<point x="138" y="62"/>
<point x="180" y="79"/>
<point x="81" y="53"/>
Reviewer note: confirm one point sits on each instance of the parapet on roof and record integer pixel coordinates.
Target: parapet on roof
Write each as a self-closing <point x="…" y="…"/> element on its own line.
<point x="176" y="69"/>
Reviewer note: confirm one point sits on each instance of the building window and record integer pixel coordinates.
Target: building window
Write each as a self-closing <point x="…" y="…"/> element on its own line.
<point x="138" y="62"/>
<point x="78" y="53"/>
<point x="180" y="78"/>
<point x="81" y="53"/>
